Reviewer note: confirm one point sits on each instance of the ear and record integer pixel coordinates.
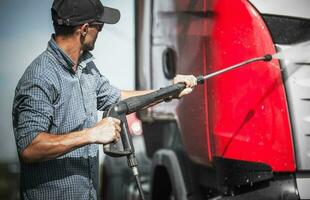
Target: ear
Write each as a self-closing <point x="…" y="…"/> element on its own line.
<point x="84" y="29"/>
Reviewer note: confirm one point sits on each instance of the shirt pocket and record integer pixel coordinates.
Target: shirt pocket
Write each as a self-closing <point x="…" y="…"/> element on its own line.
<point x="91" y="103"/>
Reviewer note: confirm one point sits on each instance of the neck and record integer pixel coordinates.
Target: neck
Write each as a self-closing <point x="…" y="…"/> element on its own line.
<point x="71" y="46"/>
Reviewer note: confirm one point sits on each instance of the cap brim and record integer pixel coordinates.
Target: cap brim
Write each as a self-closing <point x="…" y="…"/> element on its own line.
<point x="110" y="15"/>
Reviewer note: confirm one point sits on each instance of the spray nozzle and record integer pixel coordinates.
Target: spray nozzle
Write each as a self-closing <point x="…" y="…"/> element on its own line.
<point x="267" y="57"/>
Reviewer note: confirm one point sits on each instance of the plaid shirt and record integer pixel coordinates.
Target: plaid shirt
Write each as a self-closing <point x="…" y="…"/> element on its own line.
<point x="51" y="97"/>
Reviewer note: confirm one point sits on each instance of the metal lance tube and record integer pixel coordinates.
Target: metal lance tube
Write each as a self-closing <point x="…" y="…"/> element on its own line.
<point x="266" y="58"/>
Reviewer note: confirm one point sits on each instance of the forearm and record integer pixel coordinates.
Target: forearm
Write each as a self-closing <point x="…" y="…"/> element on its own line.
<point x="131" y="93"/>
<point x="189" y="80"/>
<point x="48" y="146"/>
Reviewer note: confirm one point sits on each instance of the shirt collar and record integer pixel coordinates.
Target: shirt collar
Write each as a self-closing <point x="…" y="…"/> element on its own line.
<point x="64" y="59"/>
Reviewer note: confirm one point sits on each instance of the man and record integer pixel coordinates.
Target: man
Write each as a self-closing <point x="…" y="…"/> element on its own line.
<point x="56" y="102"/>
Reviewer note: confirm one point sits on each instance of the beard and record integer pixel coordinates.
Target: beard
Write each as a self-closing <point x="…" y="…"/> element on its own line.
<point x="89" y="45"/>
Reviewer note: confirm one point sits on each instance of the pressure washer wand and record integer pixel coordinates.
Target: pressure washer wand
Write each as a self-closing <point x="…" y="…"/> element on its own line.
<point x="201" y="79"/>
<point x="134" y="104"/>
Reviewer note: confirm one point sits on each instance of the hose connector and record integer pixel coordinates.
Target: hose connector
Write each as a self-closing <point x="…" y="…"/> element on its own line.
<point x="200" y="79"/>
<point x="267" y="57"/>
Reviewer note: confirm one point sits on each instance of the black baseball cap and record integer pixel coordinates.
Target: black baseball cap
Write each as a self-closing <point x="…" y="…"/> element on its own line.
<point x="77" y="12"/>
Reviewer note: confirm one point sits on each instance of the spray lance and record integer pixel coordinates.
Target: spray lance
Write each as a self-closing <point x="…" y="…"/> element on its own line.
<point x="134" y="104"/>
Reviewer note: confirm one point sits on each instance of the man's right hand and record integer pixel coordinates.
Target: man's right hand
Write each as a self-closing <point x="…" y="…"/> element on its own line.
<point x="105" y="131"/>
<point x="47" y="146"/>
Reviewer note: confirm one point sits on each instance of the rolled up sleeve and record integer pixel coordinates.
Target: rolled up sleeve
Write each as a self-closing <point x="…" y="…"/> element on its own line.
<point x="107" y="94"/>
<point x="32" y="111"/>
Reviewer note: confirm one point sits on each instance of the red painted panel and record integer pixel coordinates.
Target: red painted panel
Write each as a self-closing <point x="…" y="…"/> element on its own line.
<point x="244" y="113"/>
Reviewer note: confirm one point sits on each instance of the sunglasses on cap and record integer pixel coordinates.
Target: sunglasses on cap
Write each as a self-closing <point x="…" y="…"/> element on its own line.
<point x="97" y="25"/>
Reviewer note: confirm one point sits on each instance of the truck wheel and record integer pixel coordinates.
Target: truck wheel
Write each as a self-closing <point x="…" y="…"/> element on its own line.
<point x="115" y="177"/>
<point x="167" y="177"/>
<point x="118" y="180"/>
<point x="162" y="188"/>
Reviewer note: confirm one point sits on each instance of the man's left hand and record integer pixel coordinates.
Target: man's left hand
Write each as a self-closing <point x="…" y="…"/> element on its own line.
<point x="190" y="82"/>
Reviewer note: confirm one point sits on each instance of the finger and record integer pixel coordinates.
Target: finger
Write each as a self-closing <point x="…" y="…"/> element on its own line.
<point x="109" y="119"/>
<point x="115" y="140"/>
<point x="118" y="134"/>
<point x="190" y="81"/>
<point x="177" y="79"/>
<point x="187" y="82"/>
<point x="193" y="80"/>
<point x="118" y="128"/>
<point x="116" y="121"/>
<point x="186" y="91"/>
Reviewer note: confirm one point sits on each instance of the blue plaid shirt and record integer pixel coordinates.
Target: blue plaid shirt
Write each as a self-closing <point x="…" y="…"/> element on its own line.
<point x="51" y="97"/>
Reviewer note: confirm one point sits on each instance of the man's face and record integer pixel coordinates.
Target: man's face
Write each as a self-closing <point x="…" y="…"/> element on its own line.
<point x="88" y="42"/>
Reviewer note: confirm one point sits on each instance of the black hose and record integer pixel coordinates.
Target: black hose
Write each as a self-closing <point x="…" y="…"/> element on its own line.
<point x="139" y="187"/>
